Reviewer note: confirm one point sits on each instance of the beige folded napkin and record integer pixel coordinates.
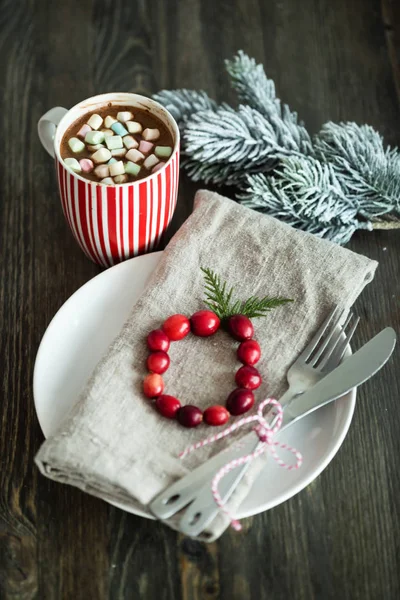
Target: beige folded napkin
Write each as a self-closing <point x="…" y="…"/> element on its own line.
<point x="114" y="444"/>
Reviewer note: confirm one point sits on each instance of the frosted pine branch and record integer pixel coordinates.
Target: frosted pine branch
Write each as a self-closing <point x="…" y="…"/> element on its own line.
<point x="184" y="103"/>
<point x="255" y="89"/>
<point x="234" y="142"/>
<point x="342" y="180"/>
<point x="366" y="171"/>
<point x="307" y="195"/>
<point x="223" y="173"/>
<point x="250" y="81"/>
<point x="229" y="136"/>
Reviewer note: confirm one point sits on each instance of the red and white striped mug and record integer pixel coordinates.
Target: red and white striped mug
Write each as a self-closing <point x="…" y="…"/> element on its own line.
<point x="113" y="223"/>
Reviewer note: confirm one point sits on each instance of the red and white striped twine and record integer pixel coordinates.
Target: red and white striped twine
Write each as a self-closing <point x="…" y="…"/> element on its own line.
<point x="266" y="433"/>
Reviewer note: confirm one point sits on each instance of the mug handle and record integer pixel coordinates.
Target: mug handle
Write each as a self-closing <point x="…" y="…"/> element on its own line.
<point x="47" y="126"/>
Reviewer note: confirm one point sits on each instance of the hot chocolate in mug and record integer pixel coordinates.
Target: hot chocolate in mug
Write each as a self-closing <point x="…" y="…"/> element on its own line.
<point x="113" y="222"/>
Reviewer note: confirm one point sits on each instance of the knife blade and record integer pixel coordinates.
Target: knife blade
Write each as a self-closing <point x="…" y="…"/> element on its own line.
<point x="352" y="372"/>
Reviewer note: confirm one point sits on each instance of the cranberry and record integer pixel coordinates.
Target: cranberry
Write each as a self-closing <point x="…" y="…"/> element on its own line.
<point x="153" y="385"/>
<point x="176" y="327"/>
<point x="158" y="340"/>
<point x="248" y="377"/>
<point x="249" y="352"/>
<point x="240" y="327"/>
<point x="158" y="362"/>
<point x="189" y="416"/>
<point x="168" y="406"/>
<point x="204" y="323"/>
<point x="240" y="401"/>
<point x="216" y="415"/>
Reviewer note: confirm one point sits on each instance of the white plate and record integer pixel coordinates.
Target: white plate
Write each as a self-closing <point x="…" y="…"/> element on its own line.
<point x="81" y="332"/>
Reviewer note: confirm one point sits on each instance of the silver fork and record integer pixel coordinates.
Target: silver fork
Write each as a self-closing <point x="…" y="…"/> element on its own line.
<point x="323" y="353"/>
<point x="320" y="356"/>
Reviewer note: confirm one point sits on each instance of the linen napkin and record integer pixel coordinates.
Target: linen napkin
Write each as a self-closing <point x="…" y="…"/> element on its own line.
<point x="114" y="444"/>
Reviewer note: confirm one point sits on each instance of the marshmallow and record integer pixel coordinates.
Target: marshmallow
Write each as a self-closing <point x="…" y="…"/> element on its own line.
<point x="73" y="164"/>
<point x="130" y="142"/>
<point x="102" y="171"/>
<point x="117" y="168"/>
<point x="151" y="134"/>
<point x="119" y="129"/>
<point x="145" y="147"/>
<point x="112" y="160"/>
<point x="76" y="145"/>
<point x="163" y="151"/>
<point x="119" y="152"/>
<point x="124" y="116"/>
<point x="95" y="121"/>
<point x="87" y="165"/>
<point x="83" y="131"/>
<point x="108" y="121"/>
<point x="132" y="168"/>
<point x="121" y="178"/>
<point x="107" y="132"/>
<point x="101" y="156"/>
<point x="95" y="147"/>
<point x="114" y="142"/>
<point x="134" y="155"/>
<point x="94" y="137"/>
<point x="158" y="167"/>
<point x="150" y="161"/>
<point x="107" y="180"/>
<point x="134" y="127"/>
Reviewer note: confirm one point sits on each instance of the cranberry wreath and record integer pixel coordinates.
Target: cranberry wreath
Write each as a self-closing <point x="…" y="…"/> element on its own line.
<point x="235" y="318"/>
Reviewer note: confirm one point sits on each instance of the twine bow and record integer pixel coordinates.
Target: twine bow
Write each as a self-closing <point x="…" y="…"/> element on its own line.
<point x="266" y="434"/>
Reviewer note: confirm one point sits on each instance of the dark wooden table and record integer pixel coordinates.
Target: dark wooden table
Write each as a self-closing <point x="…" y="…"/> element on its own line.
<point x="339" y="538"/>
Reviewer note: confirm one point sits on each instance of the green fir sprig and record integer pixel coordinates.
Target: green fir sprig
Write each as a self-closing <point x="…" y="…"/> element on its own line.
<point x="219" y="299"/>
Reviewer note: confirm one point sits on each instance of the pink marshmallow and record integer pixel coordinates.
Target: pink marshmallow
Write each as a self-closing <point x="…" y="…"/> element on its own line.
<point x="87" y="165"/>
<point x="83" y="131"/>
<point x="157" y="167"/>
<point x="145" y="147"/>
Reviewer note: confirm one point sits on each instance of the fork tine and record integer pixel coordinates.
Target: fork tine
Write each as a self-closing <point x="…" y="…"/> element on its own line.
<point x="336" y="356"/>
<point x="331" y="339"/>
<point x="317" y="337"/>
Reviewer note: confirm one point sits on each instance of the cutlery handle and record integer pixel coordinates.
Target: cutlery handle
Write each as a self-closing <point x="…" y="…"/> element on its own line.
<point x="198" y="482"/>
<point x="204" y="509"/>
<point x="183" y="491"/>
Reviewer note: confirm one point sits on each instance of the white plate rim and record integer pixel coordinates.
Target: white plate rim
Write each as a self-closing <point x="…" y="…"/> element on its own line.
<point x="350" y="400"/>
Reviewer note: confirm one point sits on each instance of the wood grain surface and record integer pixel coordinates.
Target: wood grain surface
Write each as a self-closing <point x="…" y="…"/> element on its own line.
<point x="339" y="538"/>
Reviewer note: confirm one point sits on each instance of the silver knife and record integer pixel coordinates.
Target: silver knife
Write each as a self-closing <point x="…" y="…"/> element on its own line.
<point x="356" y="369"/>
